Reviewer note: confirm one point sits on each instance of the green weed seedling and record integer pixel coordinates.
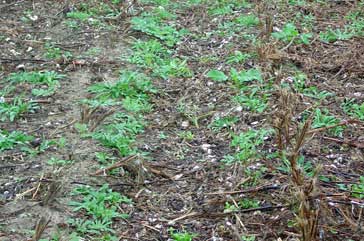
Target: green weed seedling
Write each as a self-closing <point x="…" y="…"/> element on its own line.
<point x="290" y="33"/>
<point x="358" y="189"/>
<point x="82" y="16"/>
<point x="353" y="109"/>
<point x="223" y="122"/>
<point x="310" y="91"/>
<point x="305" y="166"/>
<point x="59" y="162"/>
<point x="186" y="135"/>
<point x="181" y="236"/>
<point x="101" y="208"/>
<point x="243" y="77"/>
<point x="10" y="140"/>
<point x="237" y="57"/>
<point x="48" y="78"/>
<point x="252" y="101"/>
<point x="153" y="25"/>
<point x="217" y="75"/>
<point x="247" y="20"/>
<point x="247" y="144"/>
<point x="334" y="35"/>
<point x="12" y="111"/>
<point x="245" y="203"/>
<point x="248" y="238"/>
<point x="323" y="119"/>
<point x="53" y="52"/>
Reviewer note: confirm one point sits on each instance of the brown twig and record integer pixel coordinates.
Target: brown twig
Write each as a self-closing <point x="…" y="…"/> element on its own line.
<point x="115" y="165"/>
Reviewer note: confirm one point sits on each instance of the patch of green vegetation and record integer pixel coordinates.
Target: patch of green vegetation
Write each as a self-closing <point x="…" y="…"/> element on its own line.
<point x="245" y="203"/>
<point x="242" y="77"/>
<point x="237" y="57"/>
<point x="290" y="33"/>
<point x="186" y="135"/>
<point x="246" y="145"/>
<point x="322" y="118"/>
<point x="151" y="54"/>
<point x="223" y="122"/>
<point x="39" y="79"/>
<point x="12" y="111"/>
<point x="82" y="16"/>
<point x="253" y="101"/>
<point x="120" y="134"/>
<point x="217" y="75"/>
<point x="10" y="140"/>
<point x="248" y="238"/>
<point x="130" y="84"/>
<point x="249" y="20"/>
<point x="53" y="52"/>
<point x="358" y="189"/>
<point x="333" y="35"/>
<point x="305" y="166"/>
<point x="353" y="109"/>
<point x="154" y="25"/>
<point x="225" y="7"/>
<point x="181" y="236"/>
<point x="59" y="162"/>
<point x="100" y="207"/>
<point x="299" y="83"/>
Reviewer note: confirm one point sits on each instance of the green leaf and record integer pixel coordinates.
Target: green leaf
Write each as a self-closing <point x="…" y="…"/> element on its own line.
<point x="217" y="75"/>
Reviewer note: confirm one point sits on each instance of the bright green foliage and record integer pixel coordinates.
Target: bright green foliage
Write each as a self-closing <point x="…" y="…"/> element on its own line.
<point x="100" y="206"/>
<point x="248" y="238"/>
<point x="353" y="109"/>
<point x="247" y="144"/>
<point x="151" y="54"/>
<point x="53" y="52"/>
<point x="243" y="77"/>
<point x="130" y="84"/>
<point x="223" y="122"/>
<point x="310" y="91"/>
<point x="253" y="100"/>
<point x="9" y="140"/>
<point x="247" y="20"/>
<point x="237" y="57"/>
<point x="82" y="16"/>
<point x="59" y="162"/>
<point x="12" y="111"/>
<point x="358" y="189"/>
<point x="217" y="75"/>
<point x="120" y="134"/>
<point x="333" y="35"/>
<point x="323" y="119"/>
<point x="181" y="236"/>
<point x="290" y="32"/>
<point x="48" y="78"/>
<point x="153" y="25"/>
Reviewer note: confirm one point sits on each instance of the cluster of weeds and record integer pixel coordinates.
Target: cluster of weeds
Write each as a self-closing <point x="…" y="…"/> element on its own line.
<point x="289" y="33"/>
<point x="353" y="109"/>
<point x="44" y="83"/>
<point x="54" y="52"/>
<point x="13" y="110"/>
<point x="246" y="145"/>
<point x="10" y="140"/>
<point x="153" y="55"/>
<point x="101" y="207"/>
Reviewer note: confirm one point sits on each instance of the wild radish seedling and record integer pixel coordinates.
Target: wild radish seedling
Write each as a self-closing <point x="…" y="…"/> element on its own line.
<point x="12" y="111"/>
<point x="247" y="20"/>
<point x="100" y="206"/>
<point x="358" y="189"/>
<point x="181" y="236"/>
<point x="323" y="119"/>
<point x="53" y="52"/>
<point x="353" y="109"/>
<point x="246" y="145"/>
<point x="237" y="57"/>
<point x="252" y="101"/>
<point x="10" y="140"/>
<point x="223" y="122"/>
<point x="333" y="35"/>
<point x="217" y="75"/>
<point x="38" y="79"/>
<point x="242" y="77"/>
<point x="290" y="33"/>
<point x="154" y="26"/>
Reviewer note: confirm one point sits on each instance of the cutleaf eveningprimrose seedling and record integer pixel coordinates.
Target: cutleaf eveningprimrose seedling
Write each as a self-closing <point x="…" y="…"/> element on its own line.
<point x="10" y="140"/>
<point x="12" y="111"/>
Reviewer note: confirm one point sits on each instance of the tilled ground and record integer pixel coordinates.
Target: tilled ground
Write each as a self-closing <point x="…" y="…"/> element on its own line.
<point x="182" y="177"/>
